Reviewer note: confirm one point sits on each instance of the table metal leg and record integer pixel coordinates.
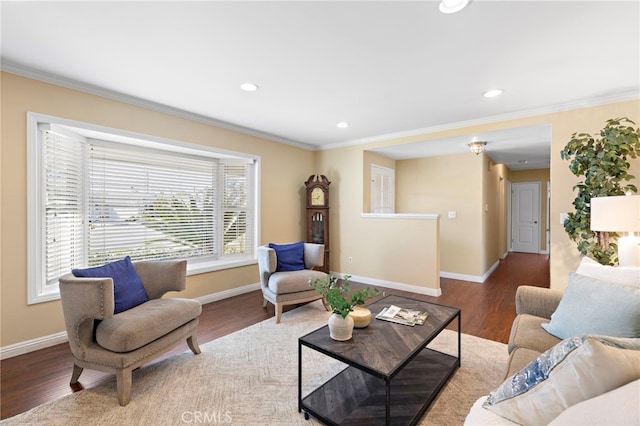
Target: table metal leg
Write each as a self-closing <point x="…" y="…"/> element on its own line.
<point x="299" y="377"/>
<point x="387" y="415"/>
<point x="459" y="338"/>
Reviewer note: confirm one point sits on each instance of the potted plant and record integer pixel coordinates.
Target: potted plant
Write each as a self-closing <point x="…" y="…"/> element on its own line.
<point x="603" y="160"/>
<point x="337" y="297"/>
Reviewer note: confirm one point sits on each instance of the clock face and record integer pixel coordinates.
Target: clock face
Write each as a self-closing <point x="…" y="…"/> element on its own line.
<point x="317" y="197"/>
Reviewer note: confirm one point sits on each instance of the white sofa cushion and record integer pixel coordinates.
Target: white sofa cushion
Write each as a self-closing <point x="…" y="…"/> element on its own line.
<point x="480" y="416"/>
<point x="619" y="407"/>
<point x="576" y="369"/>
<point x="626" y="275"/>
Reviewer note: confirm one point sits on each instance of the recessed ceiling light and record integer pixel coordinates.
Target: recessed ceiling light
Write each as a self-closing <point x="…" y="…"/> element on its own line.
<point x="492" y="93"/>
<point x="453" y="6"/>
<point x="342" y="125"/>
<point x="249" y="87"/>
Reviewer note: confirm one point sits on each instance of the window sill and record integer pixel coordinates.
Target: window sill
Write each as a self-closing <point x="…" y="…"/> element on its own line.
<point x="202" y="267"/>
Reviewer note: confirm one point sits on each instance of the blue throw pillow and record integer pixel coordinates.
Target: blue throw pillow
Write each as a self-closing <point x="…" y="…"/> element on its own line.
<point x="592" y="306"/>
<point x="290" y="256"/>
<point x="127" y="286"/>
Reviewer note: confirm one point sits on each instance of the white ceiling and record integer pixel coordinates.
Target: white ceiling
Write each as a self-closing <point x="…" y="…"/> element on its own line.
<point x="385" y="67"/>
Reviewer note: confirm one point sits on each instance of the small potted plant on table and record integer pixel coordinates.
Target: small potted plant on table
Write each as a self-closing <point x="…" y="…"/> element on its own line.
<point x="337" y="296"/>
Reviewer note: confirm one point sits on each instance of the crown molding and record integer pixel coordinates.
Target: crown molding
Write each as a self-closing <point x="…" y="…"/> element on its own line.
<point x="628" y="96"/>
<point x="24" y="71"/>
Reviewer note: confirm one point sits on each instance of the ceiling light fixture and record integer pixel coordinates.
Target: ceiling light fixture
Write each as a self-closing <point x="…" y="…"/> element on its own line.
<point x="342" y="125"/>
<point x="477" y="147"/>
<point x="249" y="87"/>
<point x="453" y="6"/>
<point x="492" y="93"/>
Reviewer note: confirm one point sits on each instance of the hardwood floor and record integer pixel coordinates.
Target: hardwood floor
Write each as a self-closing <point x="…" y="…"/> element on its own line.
<point x="488" y="309"/>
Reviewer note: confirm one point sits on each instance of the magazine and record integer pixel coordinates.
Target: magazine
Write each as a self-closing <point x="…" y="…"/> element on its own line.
<point x="400" y="315"/>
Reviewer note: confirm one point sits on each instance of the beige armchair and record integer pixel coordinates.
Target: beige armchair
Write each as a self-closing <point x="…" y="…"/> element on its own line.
<point x="290" y="287"/>
<point x="120" y="343"/>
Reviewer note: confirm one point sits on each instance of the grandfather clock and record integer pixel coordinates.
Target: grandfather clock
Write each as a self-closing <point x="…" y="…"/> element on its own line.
<point x="318" y="214"/>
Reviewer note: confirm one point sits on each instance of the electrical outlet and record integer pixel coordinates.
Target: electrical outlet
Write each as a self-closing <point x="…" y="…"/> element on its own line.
<point x="350" y="259"/>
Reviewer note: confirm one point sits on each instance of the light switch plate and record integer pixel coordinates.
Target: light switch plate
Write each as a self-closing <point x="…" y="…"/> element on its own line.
<point x="563" y="218"/>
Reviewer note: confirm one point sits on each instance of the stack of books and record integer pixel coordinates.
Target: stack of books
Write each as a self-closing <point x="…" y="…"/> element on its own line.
<point x="403" y="316"/>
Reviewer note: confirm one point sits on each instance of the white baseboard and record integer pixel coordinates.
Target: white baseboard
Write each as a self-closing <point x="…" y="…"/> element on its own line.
<point x="27" y="346"/>
<point x="214" y="297"/>
<point x="472" y="278"/>
<point x="394" y="285"/>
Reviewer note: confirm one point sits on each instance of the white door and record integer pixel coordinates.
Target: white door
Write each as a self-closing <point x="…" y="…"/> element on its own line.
<point x="383" y="182"/>
<point x="525" y="212"/>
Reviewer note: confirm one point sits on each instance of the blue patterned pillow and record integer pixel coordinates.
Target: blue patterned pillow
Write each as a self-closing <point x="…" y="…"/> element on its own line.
<point x="576" y="369"/>
<point x="128" y="290"/>
<point x="290" y="256"/>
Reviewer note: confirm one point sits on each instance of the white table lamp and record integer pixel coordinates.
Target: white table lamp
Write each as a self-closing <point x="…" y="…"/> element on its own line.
<point x="620" y="213"/>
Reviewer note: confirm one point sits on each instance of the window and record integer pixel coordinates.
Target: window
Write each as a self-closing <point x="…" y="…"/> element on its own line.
<point x="97" y="195"/>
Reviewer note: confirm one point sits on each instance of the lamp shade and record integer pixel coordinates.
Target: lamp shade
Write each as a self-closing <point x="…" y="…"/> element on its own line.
<point x="620" y="213"/>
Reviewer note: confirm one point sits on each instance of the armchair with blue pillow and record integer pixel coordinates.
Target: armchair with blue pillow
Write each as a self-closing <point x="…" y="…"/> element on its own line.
<point x="117" y="320"/>
<point x="285" y="273"/>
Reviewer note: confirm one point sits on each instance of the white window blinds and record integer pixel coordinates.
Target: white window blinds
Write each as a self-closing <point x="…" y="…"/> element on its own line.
<point x="63" y="204"/>
<point x="237" y="233"/>
<point x="149" y="205"/>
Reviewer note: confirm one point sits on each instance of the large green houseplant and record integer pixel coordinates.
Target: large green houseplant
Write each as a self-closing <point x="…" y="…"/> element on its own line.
<point x="602" y="162"/>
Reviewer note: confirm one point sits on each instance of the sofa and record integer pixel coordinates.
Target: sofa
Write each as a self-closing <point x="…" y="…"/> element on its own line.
<point x="574" y="356"/>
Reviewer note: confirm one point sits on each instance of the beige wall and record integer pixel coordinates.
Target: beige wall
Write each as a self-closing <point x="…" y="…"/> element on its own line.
<point x="543" y="176"/>
<point x="282" y="204"/>
<point x="471" y="186"/>
<point x="437" y="185"/>
<point x="398" y="251"/>
<point x="493" y="208"/>
<point x="503" y="210"/>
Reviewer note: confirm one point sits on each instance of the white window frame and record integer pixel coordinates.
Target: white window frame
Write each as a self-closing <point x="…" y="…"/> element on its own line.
<point x="38" y="289"/>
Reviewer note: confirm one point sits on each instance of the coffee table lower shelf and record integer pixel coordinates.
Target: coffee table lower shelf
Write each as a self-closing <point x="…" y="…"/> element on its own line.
<point x="354" y="397"/>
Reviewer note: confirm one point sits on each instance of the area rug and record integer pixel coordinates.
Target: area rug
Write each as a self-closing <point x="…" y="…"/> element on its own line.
<point x="250" y="378"/>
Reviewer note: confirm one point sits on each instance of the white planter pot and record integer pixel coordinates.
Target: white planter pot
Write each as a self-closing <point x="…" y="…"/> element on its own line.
<point x="340" y="328"/>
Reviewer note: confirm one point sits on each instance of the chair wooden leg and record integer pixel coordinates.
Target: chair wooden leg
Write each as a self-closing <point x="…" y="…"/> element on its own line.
<point x="264" y="303"/>
<point x="192" y="341"/>
<point x="77" y="371"/>
<point x="278" y="312"/>
<point x="123" y="383"/>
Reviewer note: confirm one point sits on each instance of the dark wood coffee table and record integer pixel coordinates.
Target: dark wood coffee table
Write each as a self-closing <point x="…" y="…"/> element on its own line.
<point x="391" y="377"/>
